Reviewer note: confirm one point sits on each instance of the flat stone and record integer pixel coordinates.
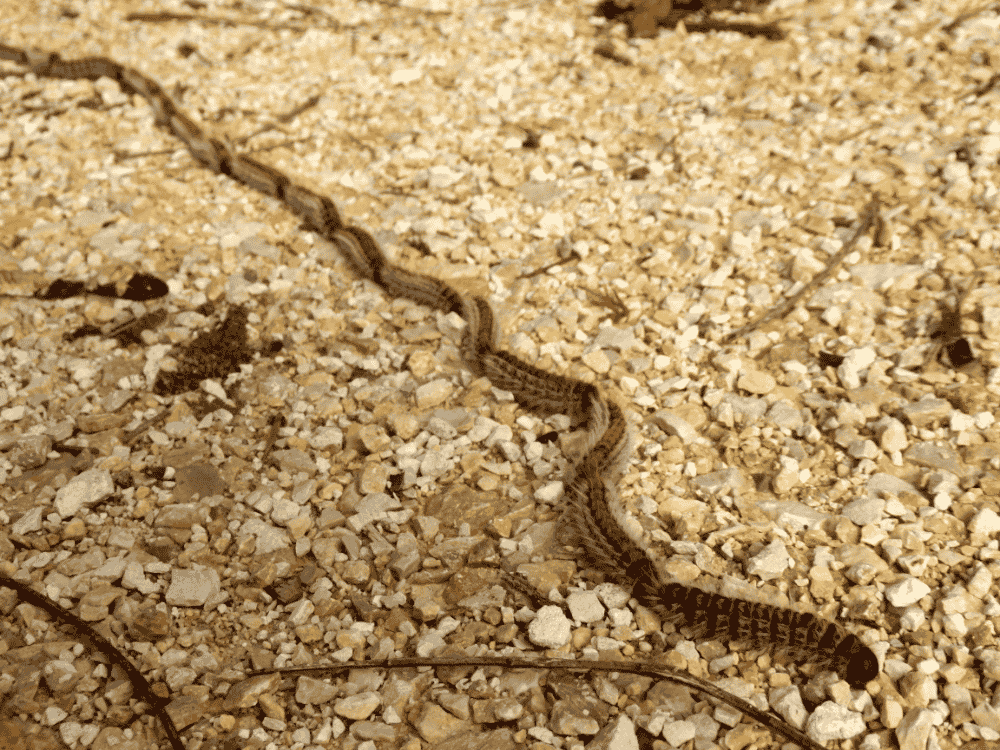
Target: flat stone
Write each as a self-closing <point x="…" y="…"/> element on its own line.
<point x="199" y="479"/>
<point x="94" y="604"/>
<point x="84" y="491"/>
<point x="907" y="592"/>
<point x="434" y="393"/>
<point x="357" y="707"/>
<point x="310" y="691"/>
<point x="192" y="588"/>
<point x="186" y="710"/>
<point x="30" y="522"/>
<point x="246" y="693"/>
<point x="550" y="628"/>
<point x="268" y="537"/>
<point x="585" y="606"/>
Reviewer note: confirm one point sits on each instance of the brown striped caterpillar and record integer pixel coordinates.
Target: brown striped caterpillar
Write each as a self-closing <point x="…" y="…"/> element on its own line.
<point x="591" y="502"/>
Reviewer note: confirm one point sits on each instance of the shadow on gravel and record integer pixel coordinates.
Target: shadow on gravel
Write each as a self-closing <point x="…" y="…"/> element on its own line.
<point x="645" y="17"/>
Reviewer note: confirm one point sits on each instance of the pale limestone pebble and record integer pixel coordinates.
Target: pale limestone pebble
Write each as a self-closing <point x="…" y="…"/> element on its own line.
<point x="985" y="523"/>
<point x="770" y="562"/>
<point x="312" y="691"/>
<point x="756" y="382"/>
<point x="455" y="703"/>
<point x="855" y="362"/>
<point x="612" y="595"/>
<point x="991" y="323"/>
<point x="84" y="491"/>
<point x="374" y="438"/>
<point x="71" y="732"/>
<point x="192" y="588"/>
<point x="357" y="707"/>
<point x="980" y="581"/>
<point x="893" y="438"/>
<point x="925" y="412"/>
<point x="726" y="714"/>
<point x="915" y="728"/>
<point x="597" y="361"/>
<point x="433" y="393"/>
<point x="134" y="577"/>
<point x="617" y="734"/>
<point x="788" y="475"/>
<point x="550" y="628"/>
<point x="435" y="725"/>
<point x="585" y="606"/>
<point x="550" y="492"/>
<point x="787" y="702"/>
<point x="283" y="510"/>
<point x="673" y="424"/>
<point x="831" y="721"/>
<point x="267" y="537"/>
<point x="906" y="592"/>
<point x="864" y="510"/>
<point x="29" y="522"/>
<point x="483" y="428"/>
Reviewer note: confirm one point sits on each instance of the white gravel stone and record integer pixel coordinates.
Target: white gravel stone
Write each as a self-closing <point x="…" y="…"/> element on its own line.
<point x="915" y="729"/>
<point x="549" y="492"/>
<point x="855" y="362"/>
<point x="597" y="361"/>
<point x="327" y="437"/>
<point x="83" y="491"/>
<point x="907" y="592"/>
<point x="30" y="522"/>
<point x="192" y="588"/>
<point x="770" y="562"/>
<point x="618" y="734"/>
<point x="894" y="437"/>
<point x="268" y="537"/>
<point x="787" y="702"/>
<point x="70" y="732"/>
<point x="985" y="522"/>
<point x="284" y="509"/>
<point x="434" y="393"/>
<point x="550" y="628"/>
<point x="358" y="707"/>
<point x="54" y="714"/>
<point x="134" y="577"/>
<point x="482" y="428"/>
<point x="831" y="721"/>
<point x="310" y="691"/>
<point x="585" y="606"/>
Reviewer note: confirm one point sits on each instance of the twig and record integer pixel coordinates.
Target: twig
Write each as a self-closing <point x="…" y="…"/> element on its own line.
<point x="131" y="435"/>
<point x="539" y="271"/>
<point x="87" y="634"/>
<point x="868" y="219"/>
<point x="963" y="17"/>
<point x="167" y="17"/>
<point x="583" y="665"/>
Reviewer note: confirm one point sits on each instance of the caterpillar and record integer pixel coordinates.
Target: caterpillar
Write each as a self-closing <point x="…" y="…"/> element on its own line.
<point x="591" y="504"/>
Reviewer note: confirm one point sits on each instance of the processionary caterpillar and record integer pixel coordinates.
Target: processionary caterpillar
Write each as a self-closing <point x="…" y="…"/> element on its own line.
<point x="591" y="495"/>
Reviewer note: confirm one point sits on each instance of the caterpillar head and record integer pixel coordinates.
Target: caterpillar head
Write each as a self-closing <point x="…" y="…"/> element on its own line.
<point x="860" y="662"/>
<point x="862" y="668"/>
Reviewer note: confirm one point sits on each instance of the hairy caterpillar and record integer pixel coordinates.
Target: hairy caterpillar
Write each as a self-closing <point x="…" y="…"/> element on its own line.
<point x="591" y="495"/>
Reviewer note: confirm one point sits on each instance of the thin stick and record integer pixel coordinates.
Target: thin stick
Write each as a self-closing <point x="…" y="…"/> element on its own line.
<point x="584" y="665"/>
<point x="868" y="219"/>
<point x="87" y="634"/>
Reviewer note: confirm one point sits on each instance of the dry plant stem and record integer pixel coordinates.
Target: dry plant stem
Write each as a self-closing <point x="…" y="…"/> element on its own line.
<point x="167" y="17"/>
<point x="598" y="665"/>
<point x="86" y="634"/>
<point x="868" y="219"/>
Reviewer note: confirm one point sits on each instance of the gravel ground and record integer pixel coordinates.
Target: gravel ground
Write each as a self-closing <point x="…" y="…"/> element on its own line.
<point x="320" y="503"/>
